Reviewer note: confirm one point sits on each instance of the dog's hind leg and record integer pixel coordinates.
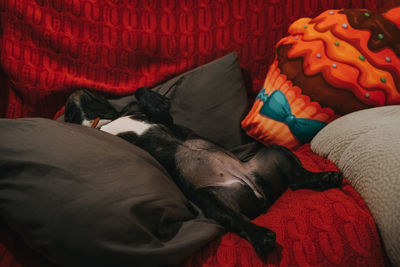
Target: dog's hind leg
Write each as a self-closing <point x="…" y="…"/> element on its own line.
<point x="215" y="203"/>
<point x="315" y="180"/>
<point x="299" y="177"/>
<point x="276" y="167"/>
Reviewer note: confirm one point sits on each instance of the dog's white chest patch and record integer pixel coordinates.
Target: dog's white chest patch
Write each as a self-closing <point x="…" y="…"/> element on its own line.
<point x="126" y="124"/>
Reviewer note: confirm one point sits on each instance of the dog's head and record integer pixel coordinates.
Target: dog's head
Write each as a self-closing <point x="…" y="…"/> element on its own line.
<point x="86" y="107"/>
<point x="90" y="109"/>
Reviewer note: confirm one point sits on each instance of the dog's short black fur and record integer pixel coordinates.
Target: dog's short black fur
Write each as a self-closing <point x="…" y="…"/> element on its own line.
<point x="227" y="190"/>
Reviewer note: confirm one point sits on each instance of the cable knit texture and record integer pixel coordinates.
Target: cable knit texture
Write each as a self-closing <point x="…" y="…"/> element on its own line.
<point x="116" y="46"/>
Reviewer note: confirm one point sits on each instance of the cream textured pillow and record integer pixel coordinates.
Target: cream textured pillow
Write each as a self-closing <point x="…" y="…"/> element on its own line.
<point x="365" y="145"/>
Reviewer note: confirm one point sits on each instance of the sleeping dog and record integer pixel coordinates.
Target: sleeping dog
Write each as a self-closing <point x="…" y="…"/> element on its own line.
<point x="228" y="190"/>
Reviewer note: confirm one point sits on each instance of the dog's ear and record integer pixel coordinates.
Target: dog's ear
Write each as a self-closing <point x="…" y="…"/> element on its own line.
<point x="72" y="113"/>
<point x="155" y="105"/>
<point x="95" y="106"/>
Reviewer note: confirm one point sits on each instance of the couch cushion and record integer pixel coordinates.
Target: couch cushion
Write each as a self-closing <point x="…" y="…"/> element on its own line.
<point x="82" y="197"/>
<point x="211" y="100"/>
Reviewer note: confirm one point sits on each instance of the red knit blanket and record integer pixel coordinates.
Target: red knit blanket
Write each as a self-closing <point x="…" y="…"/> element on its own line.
<point x="118" y="46"/>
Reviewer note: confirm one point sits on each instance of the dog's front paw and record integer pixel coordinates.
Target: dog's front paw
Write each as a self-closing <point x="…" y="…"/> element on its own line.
<point x="147" y="97"/>
<point x="155" y="105"/>
<point x="330" y="180"/>
<point x="263" y="240"/>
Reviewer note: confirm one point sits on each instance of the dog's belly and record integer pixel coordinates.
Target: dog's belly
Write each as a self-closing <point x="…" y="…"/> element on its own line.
<point x="202" y="165"/>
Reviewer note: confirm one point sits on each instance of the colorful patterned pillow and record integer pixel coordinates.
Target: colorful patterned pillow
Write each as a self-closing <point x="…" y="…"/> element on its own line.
<point x="339" y="62"/>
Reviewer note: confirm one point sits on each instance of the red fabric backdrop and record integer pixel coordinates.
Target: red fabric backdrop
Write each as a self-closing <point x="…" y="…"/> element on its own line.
<point x="116" y="46"/>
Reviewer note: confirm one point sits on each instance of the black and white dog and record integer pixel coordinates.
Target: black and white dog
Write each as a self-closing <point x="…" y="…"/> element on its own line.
<point x="227" y="190"/>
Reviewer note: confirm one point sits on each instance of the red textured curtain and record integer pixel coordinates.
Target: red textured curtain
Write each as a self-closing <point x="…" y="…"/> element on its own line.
<point x="117" y="46"/>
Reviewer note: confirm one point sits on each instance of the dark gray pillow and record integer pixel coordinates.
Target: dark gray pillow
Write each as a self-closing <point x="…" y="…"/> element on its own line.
<point x="82" y="197"/>
<point x="211" y="100"/>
